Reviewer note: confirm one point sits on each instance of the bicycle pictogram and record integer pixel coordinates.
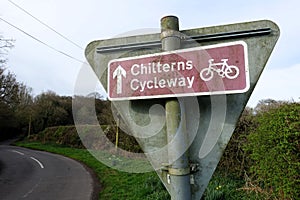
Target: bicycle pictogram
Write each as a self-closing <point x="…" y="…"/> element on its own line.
<point x="221" y="68"/>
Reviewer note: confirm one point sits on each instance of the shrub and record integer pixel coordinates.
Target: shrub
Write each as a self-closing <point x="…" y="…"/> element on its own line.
<point x="68" y="136"/>
<point x="235" y="160"/>
<point x="64" y="135"/>
<point x="275" y="151"/>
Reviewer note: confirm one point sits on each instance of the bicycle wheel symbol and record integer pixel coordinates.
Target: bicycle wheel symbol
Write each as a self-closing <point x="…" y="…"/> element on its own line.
<point x="222" y="69"/>
<point x="206" y="74"/>
<point x="232" y="72"/>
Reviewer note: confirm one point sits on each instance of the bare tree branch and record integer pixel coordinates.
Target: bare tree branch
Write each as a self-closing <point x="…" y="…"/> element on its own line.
<point x="5" y="45"/>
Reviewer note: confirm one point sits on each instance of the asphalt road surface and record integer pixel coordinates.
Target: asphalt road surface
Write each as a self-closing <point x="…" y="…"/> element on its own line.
<point x="33" y="175"/>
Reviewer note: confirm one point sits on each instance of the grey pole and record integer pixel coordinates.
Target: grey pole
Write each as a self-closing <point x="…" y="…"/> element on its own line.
<point x="178" y="171"/>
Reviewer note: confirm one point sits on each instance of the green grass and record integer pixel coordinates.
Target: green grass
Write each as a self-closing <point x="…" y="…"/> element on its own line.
<point x="223" y="187"/>
<point x="147" y="186"/>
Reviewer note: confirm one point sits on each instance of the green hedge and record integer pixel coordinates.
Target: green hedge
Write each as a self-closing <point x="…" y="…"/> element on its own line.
<point x="274" y="150"/>
<point x="64" y="135"/>
<point x="68" y="136"/>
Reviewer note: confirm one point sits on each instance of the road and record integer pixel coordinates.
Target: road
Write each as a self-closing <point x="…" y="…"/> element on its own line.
<point x="32" y="175"/>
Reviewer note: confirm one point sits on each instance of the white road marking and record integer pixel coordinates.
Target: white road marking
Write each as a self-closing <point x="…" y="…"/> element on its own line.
<point x="32" y="189"/>
<point x="18" y="152"/>
<point x="36" y="160"/>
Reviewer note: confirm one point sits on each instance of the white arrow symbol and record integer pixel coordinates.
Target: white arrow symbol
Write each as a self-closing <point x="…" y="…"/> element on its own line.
<point x="119" y="72"/>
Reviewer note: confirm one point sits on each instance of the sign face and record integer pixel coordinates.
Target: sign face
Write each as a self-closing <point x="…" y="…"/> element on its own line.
<point x="207" y="70"/>
<point x="209" y="122"/>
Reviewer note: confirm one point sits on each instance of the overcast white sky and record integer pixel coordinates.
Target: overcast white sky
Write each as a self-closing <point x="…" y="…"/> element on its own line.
<point x="44" y="69"/>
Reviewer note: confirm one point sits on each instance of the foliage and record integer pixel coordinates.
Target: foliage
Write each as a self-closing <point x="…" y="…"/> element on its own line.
<point x="15" y="97"/>
<point x="267" y="104"/>
<point x="92" y="110"/>
<point x="125" y="141"/>
<point x="275" y="151"/>
<point x="224" y="186"/>
<point x="68" y="136"/>
<point x="49" y="109"/>
<point x="63" y="135"/>
<point x="265" y="145"/>
<point x="5" y="45"/>
<point x="235" y="159"/>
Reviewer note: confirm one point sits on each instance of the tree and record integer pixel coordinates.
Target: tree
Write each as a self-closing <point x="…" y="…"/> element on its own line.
<point x="49" y="109"/>
<point x="5" y="45"/>
<point x="15" y="97"/>
<point x="13" y="92"/>
<point x="91" y="110"/>
<point x="266" y="104"/>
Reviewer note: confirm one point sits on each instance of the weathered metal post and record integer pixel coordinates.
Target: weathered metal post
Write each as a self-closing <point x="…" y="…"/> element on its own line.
<point x="117" y="132"/>
<point x="178" y="171"/>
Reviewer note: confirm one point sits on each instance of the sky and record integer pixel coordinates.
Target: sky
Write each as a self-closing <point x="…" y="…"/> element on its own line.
<point x="42" y="68"/>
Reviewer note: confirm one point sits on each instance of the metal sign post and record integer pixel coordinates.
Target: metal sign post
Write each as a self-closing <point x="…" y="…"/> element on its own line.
<point x="214" y="70"/>
<point x="178" y="171"/>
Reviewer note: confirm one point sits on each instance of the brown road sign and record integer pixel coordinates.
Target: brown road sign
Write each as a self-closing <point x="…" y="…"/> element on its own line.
<point x="207" y="70"/>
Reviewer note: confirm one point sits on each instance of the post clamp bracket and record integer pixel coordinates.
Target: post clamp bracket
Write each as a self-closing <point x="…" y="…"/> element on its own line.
<point x="180" y="171"/>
